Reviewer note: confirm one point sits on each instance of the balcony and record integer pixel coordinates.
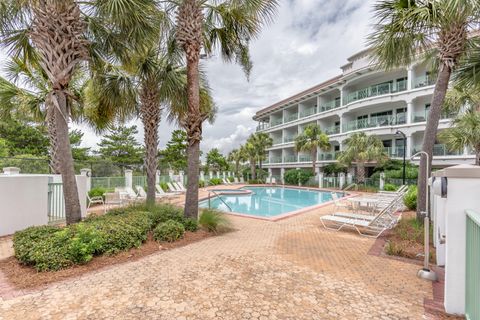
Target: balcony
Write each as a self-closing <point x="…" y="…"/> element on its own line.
<point x="374" y="122"/>
<point x="376" y="90"/>
<point x="332" y="130"/>
<point x="328" y="156"/>
<point x="290" y="158"/>
<point x="422" y="116"/>
<point x="394" y="152"/>
<point x="291" y="117"/>
<point x="308" y="112"/>
<point x="275" y="122"/>
<point x="262" y="126"/>
<point x="275" y="160"/>
<point x="423" y="81"/>
<point x="276" y="141"/>
<point x="333" y="104"/>
<point x="305" y="158"/>
<point x="439" y="150"/>
<point x="288" y="139"/>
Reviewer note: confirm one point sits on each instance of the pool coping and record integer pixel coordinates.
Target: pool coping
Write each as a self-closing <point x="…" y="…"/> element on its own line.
<point x="287" y="214"/>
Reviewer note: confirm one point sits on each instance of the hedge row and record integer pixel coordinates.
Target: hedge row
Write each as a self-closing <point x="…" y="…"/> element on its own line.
<point x="52" y="248"/>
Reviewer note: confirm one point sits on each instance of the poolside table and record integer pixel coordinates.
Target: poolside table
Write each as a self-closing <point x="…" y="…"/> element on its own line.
<point x="357" y="202"/>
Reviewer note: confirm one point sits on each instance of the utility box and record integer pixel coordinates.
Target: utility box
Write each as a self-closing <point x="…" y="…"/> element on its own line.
<point x="455" y="190"/>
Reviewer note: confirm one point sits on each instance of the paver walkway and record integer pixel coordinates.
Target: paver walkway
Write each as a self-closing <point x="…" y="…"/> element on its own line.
<point x="290" y="269"/>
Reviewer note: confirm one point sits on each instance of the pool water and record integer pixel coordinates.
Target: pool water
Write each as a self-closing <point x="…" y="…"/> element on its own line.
<point x="269" y="201"/>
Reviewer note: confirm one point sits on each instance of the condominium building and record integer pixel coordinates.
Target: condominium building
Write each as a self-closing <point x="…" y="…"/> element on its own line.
<point x="361" y="99"/>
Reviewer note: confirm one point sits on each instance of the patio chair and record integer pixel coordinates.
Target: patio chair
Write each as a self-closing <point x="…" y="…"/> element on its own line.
<point x="132" y="195"/>
<point x="339" y="204"/>
<point x="180" y="186"/>
<point x="372" y="226"/>
<point x="242" y="180"/>
<point x="172" y="188"/>
<point x="112" y="199"/>
<point x="225" y="181"/>
<point x="235" y="180"/>
<point x="162" y="193"/>
<point x="94" y="200"/>
<point x="273" y="180"/>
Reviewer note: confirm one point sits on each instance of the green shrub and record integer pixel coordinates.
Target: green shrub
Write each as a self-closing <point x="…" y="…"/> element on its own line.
<point x="97" y="192"/>
<point x="255" y="181"/>
<point x="215" y="182"/>
<point x="23" y="241"/>
<point x="231" y="179"/>
<point x="190" y="224"/>
<point x="163" y="212"/>
<point x="164" y="186"/>
<point x="213" y="220"/>
<point x="169" y="231"/>
<point x="294" y="177"/>
<point x="201" y="184"/>
<point x="390" y="187"/>
<point x="410" y="198"/>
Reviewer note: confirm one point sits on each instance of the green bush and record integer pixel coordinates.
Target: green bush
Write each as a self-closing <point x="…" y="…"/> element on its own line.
<point x="23" y="241"/>
<point x="231" y="179"/>
<point x="294" y="177"/>
<point x="215" y="182"/>
<point x="190" y="224"/>
<point x="201" y="184"/>
<point x="169" y="231"/>
<point x="390" y="187"/>
<point x="255" y="181"/>
<point x="164" y="186"/>
<point x="410" y="198"/>
<point x="97" y="192"/>
<point x="213" y="220"/>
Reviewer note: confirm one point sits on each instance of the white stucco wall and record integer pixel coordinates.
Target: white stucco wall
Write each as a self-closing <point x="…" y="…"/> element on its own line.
<point x="23" y="202"/>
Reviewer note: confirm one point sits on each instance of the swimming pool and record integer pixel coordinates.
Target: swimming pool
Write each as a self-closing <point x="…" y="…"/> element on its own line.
<point x="268" y="202"/>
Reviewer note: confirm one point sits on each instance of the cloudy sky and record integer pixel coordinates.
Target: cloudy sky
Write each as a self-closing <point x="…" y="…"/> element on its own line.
<point x="306" y="45"/>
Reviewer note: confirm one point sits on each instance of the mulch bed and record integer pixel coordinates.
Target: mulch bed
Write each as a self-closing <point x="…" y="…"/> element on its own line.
<point x="23" y="277"/>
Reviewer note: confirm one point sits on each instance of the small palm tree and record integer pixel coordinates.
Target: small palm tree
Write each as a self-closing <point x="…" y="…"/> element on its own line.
<point x="228" y="25"/>
<point x="361" y="149"/>
<point x="261" y="141"/>
<point x="251" y="153"/>
<point x="465" y="132"/>
<point x="236" y="156"/>
<point x="310" y="140"/>
<point x="436" y="29"/>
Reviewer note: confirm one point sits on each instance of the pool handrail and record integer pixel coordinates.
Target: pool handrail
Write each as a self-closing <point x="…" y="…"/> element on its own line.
<point x="218" y="196"/>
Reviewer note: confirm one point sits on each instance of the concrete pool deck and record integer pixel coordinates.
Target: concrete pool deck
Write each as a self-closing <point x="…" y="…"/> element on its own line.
<point x="289" y="269"/>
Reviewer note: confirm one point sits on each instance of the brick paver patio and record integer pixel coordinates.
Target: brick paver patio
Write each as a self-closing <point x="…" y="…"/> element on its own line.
<point x="290" y="269"/>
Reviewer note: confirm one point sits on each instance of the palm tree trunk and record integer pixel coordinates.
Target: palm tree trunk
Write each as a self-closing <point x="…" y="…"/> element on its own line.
<point x="252" y="169"/>
<point x="360" y="172"/>
<point x="70" y="192"/>
<point x="430" y="135"/>
<point x="52" y="137"/>
<point x="194" y="134"/>
<point x="150" y="114"/>
<point x="314" y="161"/>
<point x="477" y="155"/>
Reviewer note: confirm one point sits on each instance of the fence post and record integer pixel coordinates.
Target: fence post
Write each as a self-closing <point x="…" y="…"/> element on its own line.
<point x="382" y="180"/>
<point x="341" y="180"/>
<point x="282" y="175"/>
<point x="157" y="177"/>
<point x="320" y="179"/>
<point x="349" y="178"/>
<point x="128" y="178"/>
<point x="202" y="176"/>
<point x="88" y="173"/>
<point x="170" y="174"/>
<point x="180" y="176"/>
<point x="210" y="174"/>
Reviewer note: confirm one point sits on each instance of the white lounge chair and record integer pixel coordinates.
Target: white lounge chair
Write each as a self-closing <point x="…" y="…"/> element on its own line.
<point x="340" y="204"/>
<point x="162" y="193"/>
<point x="172" y="188"/>
<point x="242" y="180"/>
<point x="180" y="186"/>
<point x="132" y="195"/>
<point x="225" y="181"/>
<point x="273" y="180"/>
<point x="367" y="226"/>
<point x="235" y="180"/>
<point x="94" y="200"/>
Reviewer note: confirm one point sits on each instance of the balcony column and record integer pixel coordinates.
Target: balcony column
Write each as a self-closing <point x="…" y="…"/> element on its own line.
<point x="409" y="111"/>
<point x="341" y="96"/>
<point x="341" y="122"/>
<point x="408" y="147"/>
<point x="282" y="175"/>
<point x="409" y="77"/>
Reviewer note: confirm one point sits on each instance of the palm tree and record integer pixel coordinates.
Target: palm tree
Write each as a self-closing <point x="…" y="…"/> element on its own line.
<point x="361" y="149"/>
<point x="251" y="153"/>
<point x="262" y="141"/>
<point x="228" y="25"/>
<point x="310" y="140"/>
<point x="465" y="132"/>
<point x="61" y="36"/>
<point x="237" y="156"/>
<point x="436" y="29"/>
<point x="31" y="104"/>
